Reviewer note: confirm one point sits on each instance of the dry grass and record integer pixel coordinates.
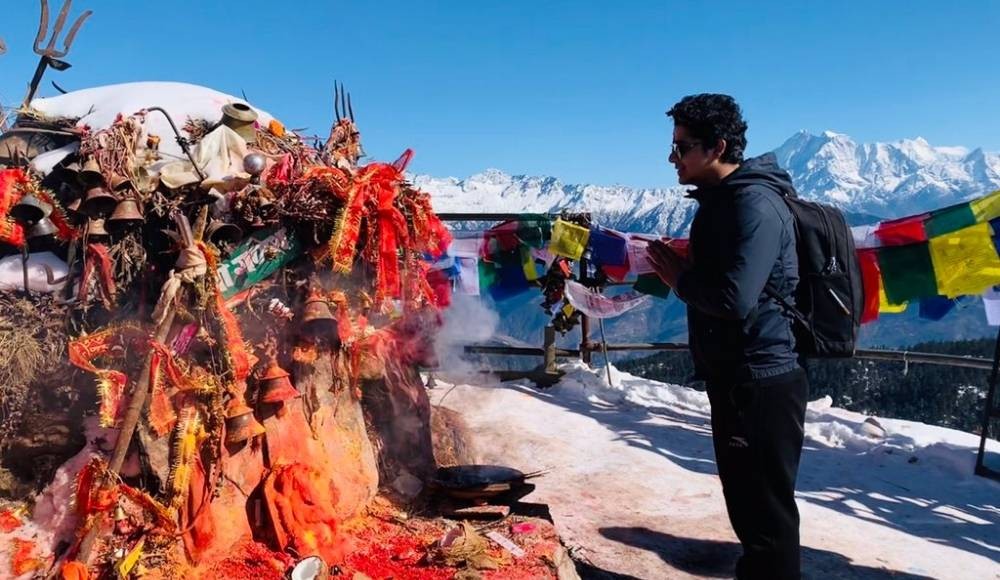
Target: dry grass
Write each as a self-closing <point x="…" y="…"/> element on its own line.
<point x="129" y="257"/>
<point x="32" y="346"/>
<point x="20" y="357"/>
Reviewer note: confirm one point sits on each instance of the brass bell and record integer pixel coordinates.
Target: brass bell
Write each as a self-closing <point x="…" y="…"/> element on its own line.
<point x="63" y="174"/>
<point x="317" y="319"/>
<point x="275" y="386"/>
<point x="95" y="228"/>
<point x="90" y="175"/>
<point x="29" y="210"/>
<point x="241" y="425"/>
<point x="240" y="118"/>
<point x="98" y="202"/>
<point x="120" y="183"/>
<point x="145" y="182"/>
<point x="219" y="231"/>
<point x="73" y="210"/>
<point x="42" y="228"/>
<point x="123" y="526"/>
<point x="126" y="214"/>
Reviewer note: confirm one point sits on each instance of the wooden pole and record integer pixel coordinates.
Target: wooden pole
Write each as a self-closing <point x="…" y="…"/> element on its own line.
<point x="550" y="348"/>
<point x="607" y="360"/>
<point x="36" y="80"/>
<point x="129" y="423"/>
<point x="24" y="266"/>
<point x="134" y="411"/>
<point x="584" y="319"/>
<point x="989" y="415"/>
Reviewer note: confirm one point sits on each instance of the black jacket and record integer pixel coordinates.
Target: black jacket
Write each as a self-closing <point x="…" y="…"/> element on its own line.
<point x="742" y="237"/>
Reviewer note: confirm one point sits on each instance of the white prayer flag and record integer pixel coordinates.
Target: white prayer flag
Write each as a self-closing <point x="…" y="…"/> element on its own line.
<point x="599" y="306"/>
<point x="468" y="275"/>
<point x="991" y="300"/>
<point x="638" y="256"/>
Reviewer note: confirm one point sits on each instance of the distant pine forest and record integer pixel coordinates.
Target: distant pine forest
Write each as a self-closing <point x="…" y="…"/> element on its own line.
<point x="940" y="395"/>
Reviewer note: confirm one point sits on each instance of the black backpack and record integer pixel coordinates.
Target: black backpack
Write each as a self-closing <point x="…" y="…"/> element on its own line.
<point x="830" y="296"/>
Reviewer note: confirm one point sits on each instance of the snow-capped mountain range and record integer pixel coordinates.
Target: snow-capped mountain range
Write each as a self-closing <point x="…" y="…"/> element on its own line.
<point x="868" y="179"/>
<point x="886" y="179"/>
<point x="617" y="206"/>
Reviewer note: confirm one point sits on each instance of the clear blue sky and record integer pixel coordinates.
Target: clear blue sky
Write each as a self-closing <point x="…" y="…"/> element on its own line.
<point x="575" y="89"/>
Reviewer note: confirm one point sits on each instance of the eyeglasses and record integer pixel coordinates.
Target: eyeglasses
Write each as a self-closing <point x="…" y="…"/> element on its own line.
<point x="681" y="148"/>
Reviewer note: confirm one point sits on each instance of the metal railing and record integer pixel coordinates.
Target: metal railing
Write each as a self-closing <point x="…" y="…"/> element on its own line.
<point x="903" y="356"/>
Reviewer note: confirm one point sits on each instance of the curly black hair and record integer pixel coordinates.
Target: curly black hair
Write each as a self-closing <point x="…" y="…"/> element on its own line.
<point x="710" y="117"/>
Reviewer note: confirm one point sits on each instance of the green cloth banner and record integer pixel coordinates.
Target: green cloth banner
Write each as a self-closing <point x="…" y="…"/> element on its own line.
<point x="487" y="275"/>
<point x="534" y="230"/>
<point x="652" y="285"/>
<point x="949" y="219"/>
<point x="907" y="272"/>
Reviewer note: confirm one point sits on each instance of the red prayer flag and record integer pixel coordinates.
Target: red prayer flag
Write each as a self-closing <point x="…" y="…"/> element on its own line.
<point x="616" y="273"/>
<point x="871" y="280"/>
<point x="907" y="230"/>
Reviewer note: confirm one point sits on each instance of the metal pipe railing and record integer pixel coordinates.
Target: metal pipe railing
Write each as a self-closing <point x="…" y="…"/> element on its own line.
<point x="489" y="217"/>
<point x="518" y="350"/>
<point x="867" y="354"/>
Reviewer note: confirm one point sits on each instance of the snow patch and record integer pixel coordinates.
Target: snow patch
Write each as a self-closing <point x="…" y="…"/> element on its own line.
<point x="827" y="426"/>
<point x="632" y="466"/>
<point x="591" y="384"/>
<point x="98" y="107"/>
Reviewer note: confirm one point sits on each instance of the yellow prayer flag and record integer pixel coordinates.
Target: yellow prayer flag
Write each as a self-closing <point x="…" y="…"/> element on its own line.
<point x="883" y="303"/>
<point x="528" y="264"/>
<point x="569" y="240"/>
<point x="986" y="208"/>
<point x="965" y="261"/>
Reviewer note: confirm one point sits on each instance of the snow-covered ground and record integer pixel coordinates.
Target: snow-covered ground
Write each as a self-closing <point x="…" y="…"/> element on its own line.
<point x="633" y="487"/>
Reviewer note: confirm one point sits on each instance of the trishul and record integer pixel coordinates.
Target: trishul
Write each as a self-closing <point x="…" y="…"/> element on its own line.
<point x="50" y="55"/>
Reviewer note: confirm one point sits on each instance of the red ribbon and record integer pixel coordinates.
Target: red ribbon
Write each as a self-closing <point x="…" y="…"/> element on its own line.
<point x="391" y="231"/>
<point x="82" y="352"/>
<point x="242" y="360"/>
<point x="11" y="183"/>
<point x="96" y="256"/>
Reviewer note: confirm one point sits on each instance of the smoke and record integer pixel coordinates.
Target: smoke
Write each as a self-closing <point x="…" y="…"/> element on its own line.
<point x="466" y="321"/>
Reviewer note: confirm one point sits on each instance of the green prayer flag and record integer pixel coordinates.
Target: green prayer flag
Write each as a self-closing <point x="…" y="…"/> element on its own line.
<point x="651" y="284"/>
<point x="534" y="230"/>
<point x="487" y="274"/>
<point x="949" y="219"/>
<point x="907" y="272"/>
<point x="493" y="249"/>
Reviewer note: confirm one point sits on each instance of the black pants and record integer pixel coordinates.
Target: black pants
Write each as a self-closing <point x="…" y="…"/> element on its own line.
<point x="757" y="430"/>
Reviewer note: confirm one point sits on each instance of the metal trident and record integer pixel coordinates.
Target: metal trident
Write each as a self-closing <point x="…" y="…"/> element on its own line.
<point x="343" y="108"/>
<point x="50" y="56"/>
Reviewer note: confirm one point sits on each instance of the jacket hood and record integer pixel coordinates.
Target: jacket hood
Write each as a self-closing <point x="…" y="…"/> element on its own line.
<point x="761" y="171"/>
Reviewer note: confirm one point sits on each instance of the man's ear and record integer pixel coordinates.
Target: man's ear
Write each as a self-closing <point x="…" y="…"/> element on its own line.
<point x="719" y="150"/>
